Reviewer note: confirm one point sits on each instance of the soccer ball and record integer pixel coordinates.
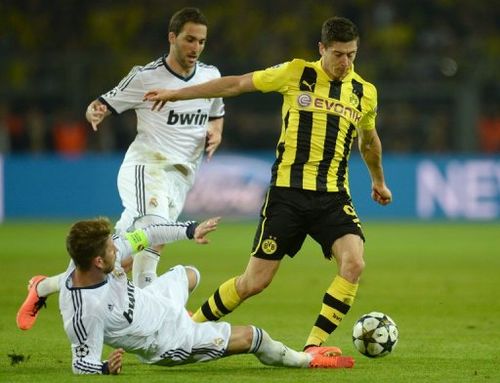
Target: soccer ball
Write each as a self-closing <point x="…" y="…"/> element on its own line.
<point x="375" y="334"/>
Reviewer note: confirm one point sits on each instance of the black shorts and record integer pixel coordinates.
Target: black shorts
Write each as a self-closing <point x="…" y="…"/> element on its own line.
<point x="289" y="215"/>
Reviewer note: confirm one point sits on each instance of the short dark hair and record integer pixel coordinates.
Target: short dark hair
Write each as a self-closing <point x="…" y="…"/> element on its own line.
<point x="338" y="29"/>
<point x="86" y="240"/>
<point x="186" y="15"/>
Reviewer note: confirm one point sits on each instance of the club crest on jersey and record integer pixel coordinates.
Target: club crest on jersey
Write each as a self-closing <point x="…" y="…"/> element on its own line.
<point x="197" y="118"/>
<point x="354" y="100"/>
<point x="269" y="246"/>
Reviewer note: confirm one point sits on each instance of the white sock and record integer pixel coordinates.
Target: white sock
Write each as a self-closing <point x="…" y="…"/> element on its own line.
<point x="144" y="267"/>
<point x="273" y="353"/>
<point x="48" y="286"/>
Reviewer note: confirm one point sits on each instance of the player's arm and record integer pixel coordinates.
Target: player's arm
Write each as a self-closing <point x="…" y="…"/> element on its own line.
<point x="96" y="112"/>
<point x="162" y="233"/>
<point x="86" y="337"/>
<point x="227" y="86"/>
<point x="370" y="148"/>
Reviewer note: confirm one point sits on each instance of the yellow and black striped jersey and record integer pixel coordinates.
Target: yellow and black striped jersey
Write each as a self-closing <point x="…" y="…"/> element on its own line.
<point x="320" y="118"/>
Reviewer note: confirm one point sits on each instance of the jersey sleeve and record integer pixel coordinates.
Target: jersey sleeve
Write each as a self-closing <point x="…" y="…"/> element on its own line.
<point x="145" y="233"/>
<point x="273" y="79"/>
<point x="217" y="109"/>
<point x="86" y="335"/>
<point x="369" y="103"/>
<point x="128" y="94"/>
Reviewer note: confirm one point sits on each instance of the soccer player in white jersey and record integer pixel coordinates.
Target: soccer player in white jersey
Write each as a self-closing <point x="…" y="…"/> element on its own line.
<point x="160" y="165"/>
<point x="100" y="306"/>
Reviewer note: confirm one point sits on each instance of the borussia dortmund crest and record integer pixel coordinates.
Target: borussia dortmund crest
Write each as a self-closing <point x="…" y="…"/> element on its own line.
<point x="269" y="246"/>
<point x="354" y="100"/>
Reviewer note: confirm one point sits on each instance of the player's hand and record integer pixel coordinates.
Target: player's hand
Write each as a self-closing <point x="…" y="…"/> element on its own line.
<point x="160" y="97"/>
<point x="204" y="228"/>
<point x="96" y="112"/>
<point x="115" y="361"/>
<point x="381" y="194"/>
<point x="214" y="138"/>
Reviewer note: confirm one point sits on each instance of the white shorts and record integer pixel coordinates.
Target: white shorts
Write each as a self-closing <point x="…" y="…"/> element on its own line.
<point x="150" y="189"/>
<point x="189" y="341"/>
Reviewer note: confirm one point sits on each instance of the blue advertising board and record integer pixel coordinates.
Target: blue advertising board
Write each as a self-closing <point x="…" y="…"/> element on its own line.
<point x="234" y="185"/>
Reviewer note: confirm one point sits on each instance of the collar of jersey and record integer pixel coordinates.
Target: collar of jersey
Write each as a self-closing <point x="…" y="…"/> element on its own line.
<point x="176" y="74"/>
<point x="69" y="284"/>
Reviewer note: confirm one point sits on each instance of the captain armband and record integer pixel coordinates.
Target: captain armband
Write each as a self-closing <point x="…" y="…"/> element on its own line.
<point x="138" y="240"/>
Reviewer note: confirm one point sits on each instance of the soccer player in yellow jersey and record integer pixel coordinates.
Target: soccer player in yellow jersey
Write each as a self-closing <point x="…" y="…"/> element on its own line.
<point x="326" y="104"/>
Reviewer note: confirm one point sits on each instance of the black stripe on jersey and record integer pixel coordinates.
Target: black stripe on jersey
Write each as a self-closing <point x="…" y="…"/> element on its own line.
<point x="140" y="190"/>
<point x="87" y="368"/>
<point x="357" y="89"/>
<point x="78" y="327"/>
<point x="279" y="156"/>
<point x="153" y="65"/>
<point x="127" y="79"/>
<point x="110" y="108"/>
<point x="332" y="132"/>
<point x="308" y="84"/>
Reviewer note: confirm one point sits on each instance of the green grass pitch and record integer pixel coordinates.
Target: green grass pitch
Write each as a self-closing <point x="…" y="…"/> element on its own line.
<point x="438" y="281"/>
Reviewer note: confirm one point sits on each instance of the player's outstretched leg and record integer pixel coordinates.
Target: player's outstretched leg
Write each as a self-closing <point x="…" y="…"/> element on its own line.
<point x="28" y="312"/>
<point x="275" y="353"/>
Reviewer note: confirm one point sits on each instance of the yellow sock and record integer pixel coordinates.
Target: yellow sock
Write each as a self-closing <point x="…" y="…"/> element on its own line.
<point x="222" y="302"/>
<point x="337" y="301"/>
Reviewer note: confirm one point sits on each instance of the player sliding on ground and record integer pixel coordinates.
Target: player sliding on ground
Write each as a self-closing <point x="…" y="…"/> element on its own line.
<point x="100" y="306"/>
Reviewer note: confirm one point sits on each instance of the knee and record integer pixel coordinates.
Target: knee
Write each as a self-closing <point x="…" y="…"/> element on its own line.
<point x="193" y="276"/>
<point x="353" y="267"/>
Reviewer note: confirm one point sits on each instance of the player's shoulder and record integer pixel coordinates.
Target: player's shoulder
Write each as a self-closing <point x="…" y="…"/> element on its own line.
<point x="208" y="70"/>
<point x="149" y="68"/>
<point x="366" y="84"/>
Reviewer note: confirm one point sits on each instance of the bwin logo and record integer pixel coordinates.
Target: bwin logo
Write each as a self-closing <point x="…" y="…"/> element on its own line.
<point x="187" y="118"/>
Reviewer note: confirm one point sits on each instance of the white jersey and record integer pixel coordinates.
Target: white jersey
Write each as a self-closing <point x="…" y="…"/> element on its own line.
<point x="176" y="134"/>
<point x="151" y="323"/>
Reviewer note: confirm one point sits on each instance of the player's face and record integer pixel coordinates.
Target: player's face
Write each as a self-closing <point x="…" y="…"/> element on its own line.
<point x="187" y="46"/>
<point x="337" y="58"/>
<point x="109" y="257"/>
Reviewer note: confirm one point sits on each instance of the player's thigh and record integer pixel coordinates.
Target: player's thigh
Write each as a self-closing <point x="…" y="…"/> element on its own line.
<point x="281" y="229"/>
<point x="176" y="188"/>
<point x="197" y="342"/>
<point x="336" y="219"/>
<point x="173" y="284"/>
<point x="150" y="190"/>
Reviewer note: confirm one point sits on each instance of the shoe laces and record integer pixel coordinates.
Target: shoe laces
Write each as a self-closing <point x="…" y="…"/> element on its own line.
<point x="39" y="304"/>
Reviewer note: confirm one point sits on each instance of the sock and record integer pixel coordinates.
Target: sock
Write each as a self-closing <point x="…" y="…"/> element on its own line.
<point x="273" y="353"/>
<point x="144" y="267"/>
<point x="48" y="286"/>
<point x="222" y="302"/>
<point x="336" y="303"/>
